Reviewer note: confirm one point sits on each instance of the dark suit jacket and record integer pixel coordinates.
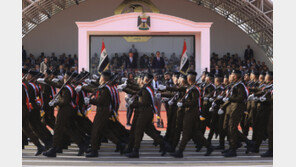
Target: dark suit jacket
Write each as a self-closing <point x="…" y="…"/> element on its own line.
<point x="130" y="64"/>
<point x="158" y="64"/>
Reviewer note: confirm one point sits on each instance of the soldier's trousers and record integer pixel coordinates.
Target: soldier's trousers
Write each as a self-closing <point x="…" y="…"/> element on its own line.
<point x="131" y="140"/>
<point x="27" y="130"/>
<point x="66" y="127"/>
<point x="233" y="116"/>
<point x="144" y="124"/>
<point x="49" y="118"/>
<point x="178" y="127"/>
<point x="270" y="130"/>
<point x="129" y="113"/>
<point x="84" y="124"/>
<point x="100" y="128"/>
<point x="191" y="130"/>
<point x="38" y="127"/>
<point x="262" y="117"/>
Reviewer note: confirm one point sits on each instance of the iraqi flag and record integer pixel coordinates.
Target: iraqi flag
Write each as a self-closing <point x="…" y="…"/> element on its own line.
<point x="184" y="64"/>
<point x="104" y="59"/>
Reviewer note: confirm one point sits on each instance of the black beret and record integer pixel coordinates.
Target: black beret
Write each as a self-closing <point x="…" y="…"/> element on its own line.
<point x="262" y="73"/>
<point x="236" y="72"/>
<point x="75" y="74"/>
<point x="208" y="74"/>
<point x="34" y="73"/>
<point x="255" y="72"/>
<point x="177" y="74"/>
<point x="106" y="74"/>
<point x="183" y="76"/>
<point x="167" y="73"/>
<point x="148" y="75"/>
<point x="192" y="73"/>
<point x="25" y="71"/>
<point x="270" y="73"/>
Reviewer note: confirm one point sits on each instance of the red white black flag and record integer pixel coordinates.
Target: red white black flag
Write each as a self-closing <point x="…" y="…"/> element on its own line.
<point x="104" y="59"/>
<point x="184" y="64"/>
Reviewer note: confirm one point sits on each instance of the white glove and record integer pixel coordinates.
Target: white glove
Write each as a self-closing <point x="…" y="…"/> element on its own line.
<point x="123" y="79"/>
<point x="161" y="87"/>
<point x="60" y="77"/>
<point x="84" y="84"/>
<point x="88" y="81"/>
<point x="179" y="104"/>
<point x="262" y="99"/>
<point x="220" y="111"/>
<point x="119" y="89"/>
<point x="86" y="100"/>
<point x="40" y="80"/>
<point x="52" y="102"/>
<point x="165" y="99"/>
<point x="95" y="77"/>
<point x="130" y="102"/>
<point x="255" y="98"/>
<point x="251" y="97"/>
<point x="205" y="98"/>
<point x="219" y="97"/>
<point x="211" y="99"/>
<point x="225" y="99"/>
<point x="214" y="104"/>
<point x="171" y="102"/>
<point x="55" y="80"/>
<point x="211" y="109"/>
<point x="158" y="95"/>
<point x="78" y="88"/>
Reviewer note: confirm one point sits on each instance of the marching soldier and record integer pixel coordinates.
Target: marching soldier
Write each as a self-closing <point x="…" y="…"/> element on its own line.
<point x="65" y="124"/>
<point x="191" y="122"/>
<point x="234" y="105"/>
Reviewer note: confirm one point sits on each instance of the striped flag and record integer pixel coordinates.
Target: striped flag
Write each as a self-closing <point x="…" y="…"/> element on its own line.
<point x="104" y="59"/>
<point x="184" y="64"/>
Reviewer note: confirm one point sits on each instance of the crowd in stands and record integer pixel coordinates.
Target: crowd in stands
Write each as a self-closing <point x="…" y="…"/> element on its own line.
<point x="132" y="61"/>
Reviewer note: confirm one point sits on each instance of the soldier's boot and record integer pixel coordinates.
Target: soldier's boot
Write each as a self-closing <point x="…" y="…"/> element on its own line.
<point x="224" y="151"/>
<point x="133" y="154"/>
<point x="250" y="146"/>
<point x="120" y="147"/>
<point x="165" y="147"/>
<point x="268" y="153"/>
<point x="51" y="152"/>
<point x="198" y="147"/>
<point x="230" y="153"/>
<point x="59" y="150"/>
<point x="177" y="154"/>
<point x="210" y="149"/>
<point x="128" y="150"/>
<point x="92" y="153"/>
<point x="82" y="149"/>
<point x="253" y="149"/>
<point x="40" y="149"/>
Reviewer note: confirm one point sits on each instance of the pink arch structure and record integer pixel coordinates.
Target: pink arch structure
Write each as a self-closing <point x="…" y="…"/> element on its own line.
<point x="161" y="24"/>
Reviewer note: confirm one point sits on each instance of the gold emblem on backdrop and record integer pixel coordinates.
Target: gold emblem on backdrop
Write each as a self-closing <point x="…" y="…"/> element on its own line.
<point x="128" y="6"/>
<point x="137" y="38"/>
<point x="143" y="22"/>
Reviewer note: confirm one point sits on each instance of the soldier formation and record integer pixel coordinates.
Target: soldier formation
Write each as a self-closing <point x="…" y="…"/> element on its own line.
<point x="192" y="104"/>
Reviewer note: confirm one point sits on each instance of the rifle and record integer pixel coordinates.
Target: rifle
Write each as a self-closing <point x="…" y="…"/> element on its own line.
<point x="59" y="92"/>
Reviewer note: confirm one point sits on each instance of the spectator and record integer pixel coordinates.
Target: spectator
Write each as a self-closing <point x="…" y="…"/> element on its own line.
<point x="62" y="70"/>
<point x="131" y="61"/>
<point x="24" y="54"/>
<point x="44" y="65"/>
<point x="158" y="62"/>
<point x="248" y="53"/>
<point x="144" y="61"/>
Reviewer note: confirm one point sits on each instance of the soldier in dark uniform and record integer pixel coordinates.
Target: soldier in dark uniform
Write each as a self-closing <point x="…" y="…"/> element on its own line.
<point x="103" y="101"/>
<point x="26" y="111"/>
<point x="191" y="104"/>
<point x="65" y="124"/>
<point x="262" y="116"/>
<point x="145" y="104"/>
<point x="234" y="105"/>
<point x="36" y="101"/>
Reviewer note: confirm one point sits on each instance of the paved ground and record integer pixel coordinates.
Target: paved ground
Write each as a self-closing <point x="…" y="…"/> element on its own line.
<point x="149" y="156"/>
